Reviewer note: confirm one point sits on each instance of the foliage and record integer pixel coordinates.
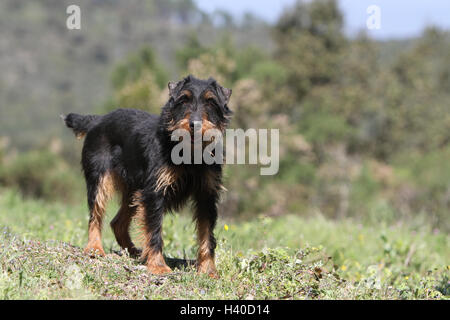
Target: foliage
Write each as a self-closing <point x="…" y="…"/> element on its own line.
<point x="349" y="122"/>
<point x="48" y="70"/>
<point x="363" y="124"/>
<point x="135" y="66"/>
<point x="41" y="174"/>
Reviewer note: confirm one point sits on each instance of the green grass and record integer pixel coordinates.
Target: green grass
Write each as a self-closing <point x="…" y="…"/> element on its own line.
<point x="288" y="257"/>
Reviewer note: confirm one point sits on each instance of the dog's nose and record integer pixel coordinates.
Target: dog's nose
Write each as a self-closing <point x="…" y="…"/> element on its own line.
<point x="195" y="125"/>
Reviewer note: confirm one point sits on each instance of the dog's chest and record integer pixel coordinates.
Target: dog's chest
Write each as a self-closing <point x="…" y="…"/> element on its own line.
<point x="179" y="182"/>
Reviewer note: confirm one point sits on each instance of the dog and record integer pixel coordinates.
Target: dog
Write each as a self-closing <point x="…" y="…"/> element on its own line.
<point x="129" y="151"/>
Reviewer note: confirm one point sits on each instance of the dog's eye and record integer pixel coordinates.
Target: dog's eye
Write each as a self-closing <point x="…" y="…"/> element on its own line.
<point x="212" y="102"/>
<point x="182" y="100"/>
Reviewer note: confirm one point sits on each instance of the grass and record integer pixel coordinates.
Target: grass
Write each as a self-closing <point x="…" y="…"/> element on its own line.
<point x="289" y="257"/>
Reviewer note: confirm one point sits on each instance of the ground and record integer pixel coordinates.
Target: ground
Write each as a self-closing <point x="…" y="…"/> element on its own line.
<point x="289" y="257"/>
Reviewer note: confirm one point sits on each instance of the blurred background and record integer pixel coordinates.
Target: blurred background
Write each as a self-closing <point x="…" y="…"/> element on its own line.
<point x="363" y="114"/>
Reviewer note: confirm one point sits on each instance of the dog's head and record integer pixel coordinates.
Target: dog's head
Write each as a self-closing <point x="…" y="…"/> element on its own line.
<point x="196" y="104"/>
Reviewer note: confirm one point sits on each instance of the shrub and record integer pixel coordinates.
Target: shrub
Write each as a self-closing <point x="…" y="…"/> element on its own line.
<point x="41" y="174"/>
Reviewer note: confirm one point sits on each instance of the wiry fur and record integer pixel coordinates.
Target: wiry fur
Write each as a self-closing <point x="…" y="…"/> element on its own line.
<point x="130" y="151"/>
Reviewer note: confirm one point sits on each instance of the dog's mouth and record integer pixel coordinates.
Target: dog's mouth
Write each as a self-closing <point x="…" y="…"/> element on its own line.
<point x="196" y="138"/>
<point x="196" y="134"/>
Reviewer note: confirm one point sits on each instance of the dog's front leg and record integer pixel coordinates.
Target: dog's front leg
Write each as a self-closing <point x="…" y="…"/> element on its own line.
<point x="206" y="217"/>
<point x="153" y="243"/>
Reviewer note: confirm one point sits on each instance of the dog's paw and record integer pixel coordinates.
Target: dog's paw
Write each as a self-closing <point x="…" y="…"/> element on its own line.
<point x="211" y="273"/>
<point x="93" y="251"/>
<point x="208" y="268"/>
<point x="214" y="275"/>
<point x="134" y="252"/>
<point x="159" y="269"/>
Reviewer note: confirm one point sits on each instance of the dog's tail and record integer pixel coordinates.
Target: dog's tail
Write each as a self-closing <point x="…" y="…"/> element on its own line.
<point x="80" y="124"/>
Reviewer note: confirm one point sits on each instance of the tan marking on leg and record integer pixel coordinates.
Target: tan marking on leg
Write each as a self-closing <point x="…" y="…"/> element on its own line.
<point x="105" y="190"/>
<point x="156" y="263"/>
<point x="121" y="226"/>
<point x="139" y="217"/>
<point x="205" y="262"/>
<point x="154" y="260"/>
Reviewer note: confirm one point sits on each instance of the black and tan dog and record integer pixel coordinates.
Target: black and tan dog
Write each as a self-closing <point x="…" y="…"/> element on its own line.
<point x="129" y="151"/>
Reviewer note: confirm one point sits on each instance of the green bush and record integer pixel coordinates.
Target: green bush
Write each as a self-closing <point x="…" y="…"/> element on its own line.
<point x="42" y="174"/>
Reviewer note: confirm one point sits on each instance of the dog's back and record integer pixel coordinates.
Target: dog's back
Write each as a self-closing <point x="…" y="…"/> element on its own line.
<point x="128" y="120"/>
<point x="112" y="141"/>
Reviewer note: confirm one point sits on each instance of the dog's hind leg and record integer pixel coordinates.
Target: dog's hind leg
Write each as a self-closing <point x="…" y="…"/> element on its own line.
<point x="121" y="225"/>
<point x="99" y="192"/>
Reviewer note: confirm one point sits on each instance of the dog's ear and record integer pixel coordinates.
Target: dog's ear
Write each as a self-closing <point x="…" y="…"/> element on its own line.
<point x="225" y="92"/>
<point x="174" y="88"/>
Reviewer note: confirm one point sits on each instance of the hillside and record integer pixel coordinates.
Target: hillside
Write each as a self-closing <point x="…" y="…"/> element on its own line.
<point x="48" y="70"/>
<point x="294" y="258"/>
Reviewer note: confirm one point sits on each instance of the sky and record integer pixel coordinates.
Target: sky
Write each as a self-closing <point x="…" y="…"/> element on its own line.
<point x="398" y="18"/>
